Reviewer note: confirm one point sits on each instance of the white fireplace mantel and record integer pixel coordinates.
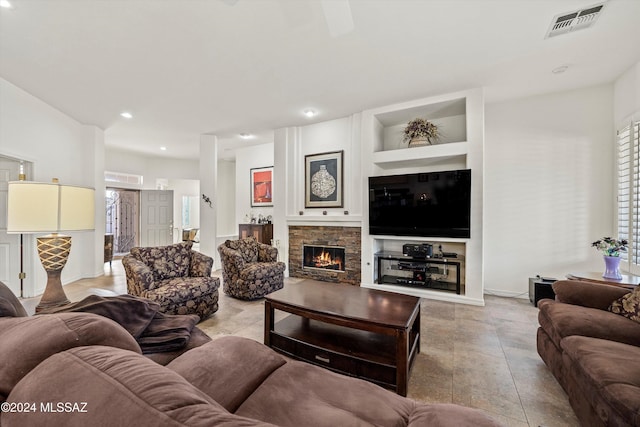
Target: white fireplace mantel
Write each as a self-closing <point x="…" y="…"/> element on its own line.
<point x="325" y="220"/>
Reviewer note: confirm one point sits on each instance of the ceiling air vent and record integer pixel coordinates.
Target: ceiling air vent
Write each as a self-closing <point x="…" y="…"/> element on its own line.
<point x="576" y="20"/>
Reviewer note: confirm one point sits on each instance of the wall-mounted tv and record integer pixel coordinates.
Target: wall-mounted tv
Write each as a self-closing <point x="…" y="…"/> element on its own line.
<point x="433" y="204"/>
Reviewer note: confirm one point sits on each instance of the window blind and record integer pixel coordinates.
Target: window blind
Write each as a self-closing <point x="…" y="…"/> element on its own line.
<point x="628" y="197"/>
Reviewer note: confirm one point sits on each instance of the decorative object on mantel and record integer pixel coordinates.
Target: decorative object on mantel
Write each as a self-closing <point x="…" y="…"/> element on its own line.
<point x="419" y="132"/>
<point x="323" y="180"/>
<point x="207" y="200"/>
<point x="611" y="249"/>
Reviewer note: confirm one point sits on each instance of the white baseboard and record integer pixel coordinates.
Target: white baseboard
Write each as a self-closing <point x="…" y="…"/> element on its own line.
<point x="506" y="294"/>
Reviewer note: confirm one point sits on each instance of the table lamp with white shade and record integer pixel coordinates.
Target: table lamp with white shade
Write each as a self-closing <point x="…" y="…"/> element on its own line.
<point x="38" y="207"/>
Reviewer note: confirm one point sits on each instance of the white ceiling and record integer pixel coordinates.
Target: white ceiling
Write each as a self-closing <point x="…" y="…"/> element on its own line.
<point x="191" y="67"/>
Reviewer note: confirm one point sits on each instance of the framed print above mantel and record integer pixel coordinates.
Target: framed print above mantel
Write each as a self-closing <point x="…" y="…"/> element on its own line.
<point x="323" y="180"/>
<point x="262" y="186"/>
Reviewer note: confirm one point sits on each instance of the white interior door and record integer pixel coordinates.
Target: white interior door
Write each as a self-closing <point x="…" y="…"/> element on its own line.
<point x="156" y="217"/>
<point x="9" y="243"/>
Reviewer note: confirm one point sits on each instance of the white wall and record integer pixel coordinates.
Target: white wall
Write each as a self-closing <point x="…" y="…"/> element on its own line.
<point x="227" y="225"/>
<point x="182" y="188"/>
<point x="62" y="148"/>
<point x="334" y="135"/>
<point x="255" y="156"/>
<point x="151" y="168"/>
<point x="549" y="170"/>
<point x="627" y="96"/>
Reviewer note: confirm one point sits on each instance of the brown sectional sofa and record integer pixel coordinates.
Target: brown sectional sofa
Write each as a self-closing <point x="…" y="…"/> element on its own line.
<point x="81" y="369"/>
<point x="593" y="353"/>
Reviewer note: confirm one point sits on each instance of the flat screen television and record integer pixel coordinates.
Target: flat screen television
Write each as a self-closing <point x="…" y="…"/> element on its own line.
<point x="433" y="204"/>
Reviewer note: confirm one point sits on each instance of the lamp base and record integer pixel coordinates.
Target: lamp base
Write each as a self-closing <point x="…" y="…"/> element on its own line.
<point x="53" y="295"/>
<point x="53" y="251"/>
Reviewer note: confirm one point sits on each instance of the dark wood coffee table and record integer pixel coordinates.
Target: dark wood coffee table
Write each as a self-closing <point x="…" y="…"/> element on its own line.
<point x="365" y="333"/>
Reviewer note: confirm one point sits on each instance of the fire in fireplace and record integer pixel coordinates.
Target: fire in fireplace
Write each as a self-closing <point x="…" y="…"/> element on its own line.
<point x="323" y="257"/>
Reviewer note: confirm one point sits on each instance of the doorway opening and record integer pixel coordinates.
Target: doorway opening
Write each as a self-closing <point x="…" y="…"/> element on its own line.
<point x="122" y="222"/>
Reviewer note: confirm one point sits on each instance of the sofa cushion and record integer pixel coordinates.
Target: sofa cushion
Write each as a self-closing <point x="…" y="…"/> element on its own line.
<point x="561" y="320"/>
<point x="587" y="294"/>
<point x="298" y="392"/>
<point x="9" y="304"/>
<point x="628" y="305"/>
<point x="248" y="248"/>
<point x="27" y="341"/>
<point x="186" y="295"/>
<point x="610" y="373"/>
<point x="228" y="369"/>
<point x="119" y="387"/>
<point x="7" y="309"/>
<point x="166" y="262"/>
<point x="447" y="414"/>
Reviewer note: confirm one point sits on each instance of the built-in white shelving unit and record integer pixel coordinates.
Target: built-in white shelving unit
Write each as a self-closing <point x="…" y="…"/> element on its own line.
<point x="460" y="118"/>
<point x="421" y="156"/>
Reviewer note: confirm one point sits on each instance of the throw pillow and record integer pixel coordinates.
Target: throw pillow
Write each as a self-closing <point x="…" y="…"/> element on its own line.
<point x="166" y="262"/>
<point x="7" y="309"/>
<point x="27" y="341"/>
<point x="628" y="305"/>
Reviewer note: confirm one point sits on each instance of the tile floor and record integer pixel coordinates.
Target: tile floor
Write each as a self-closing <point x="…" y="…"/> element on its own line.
<point x="483" y="357"/>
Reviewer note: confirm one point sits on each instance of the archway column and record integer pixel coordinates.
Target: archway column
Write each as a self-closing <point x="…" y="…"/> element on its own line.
<point x="208" y="188"/>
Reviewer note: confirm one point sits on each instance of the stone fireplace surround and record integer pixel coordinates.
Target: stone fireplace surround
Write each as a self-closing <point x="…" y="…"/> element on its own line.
<point x="349" y="237"/>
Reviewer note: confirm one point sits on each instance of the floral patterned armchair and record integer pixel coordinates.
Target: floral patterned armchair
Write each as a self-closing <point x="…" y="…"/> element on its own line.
<point x="250" y="269"/>
<point x="175" y="276"/>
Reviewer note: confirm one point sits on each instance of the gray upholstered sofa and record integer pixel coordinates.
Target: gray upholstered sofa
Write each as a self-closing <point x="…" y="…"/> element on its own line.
<point x="250" y="269"/>
<point x="175" y="276"/>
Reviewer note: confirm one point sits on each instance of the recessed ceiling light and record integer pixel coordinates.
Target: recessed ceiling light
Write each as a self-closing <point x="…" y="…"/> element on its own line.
<point x="309" y="113"/>
<point x="5" y="3"/>
<point x="559" y="70"/>
<point x="163" y="148"/>
<point x="126" y="114"/>
<point x="245" y="135"/>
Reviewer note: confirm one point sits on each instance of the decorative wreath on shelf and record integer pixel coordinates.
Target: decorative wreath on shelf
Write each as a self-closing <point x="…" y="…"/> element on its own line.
<point x="421" y="128"/>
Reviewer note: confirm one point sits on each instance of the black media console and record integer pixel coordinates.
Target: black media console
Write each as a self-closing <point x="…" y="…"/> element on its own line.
<point x="394" y="268"/>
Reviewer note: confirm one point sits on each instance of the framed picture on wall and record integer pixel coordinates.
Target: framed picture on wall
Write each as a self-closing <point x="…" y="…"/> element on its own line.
<point x="262" y="186"/>
<point x="323" y="180"/>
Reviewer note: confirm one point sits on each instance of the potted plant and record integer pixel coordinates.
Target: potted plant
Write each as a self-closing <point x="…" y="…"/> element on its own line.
<point x="420" y="132"/>
<point x="611" y="249"/>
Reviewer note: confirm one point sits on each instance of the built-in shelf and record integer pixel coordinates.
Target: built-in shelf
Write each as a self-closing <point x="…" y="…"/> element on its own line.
<point x="460" y="118"/>
<point x="421" y="156"/>
<point x="410" y="239"/>
<point x="450" y="116"/>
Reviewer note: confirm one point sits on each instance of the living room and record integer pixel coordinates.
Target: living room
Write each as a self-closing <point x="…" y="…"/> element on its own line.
<point x="546" y="169"/>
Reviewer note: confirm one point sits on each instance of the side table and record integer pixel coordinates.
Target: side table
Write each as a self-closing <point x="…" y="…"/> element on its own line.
<point x="628" y="281"/>
<point x="540" y="288"/>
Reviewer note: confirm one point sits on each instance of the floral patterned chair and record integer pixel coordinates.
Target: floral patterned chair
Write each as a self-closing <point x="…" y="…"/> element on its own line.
<point x="175" y="276"/>
<point x="250" y="269"/>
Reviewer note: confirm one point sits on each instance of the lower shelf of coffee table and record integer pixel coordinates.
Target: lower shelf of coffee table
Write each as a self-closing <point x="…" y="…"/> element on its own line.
<point x="353" y="352"/>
